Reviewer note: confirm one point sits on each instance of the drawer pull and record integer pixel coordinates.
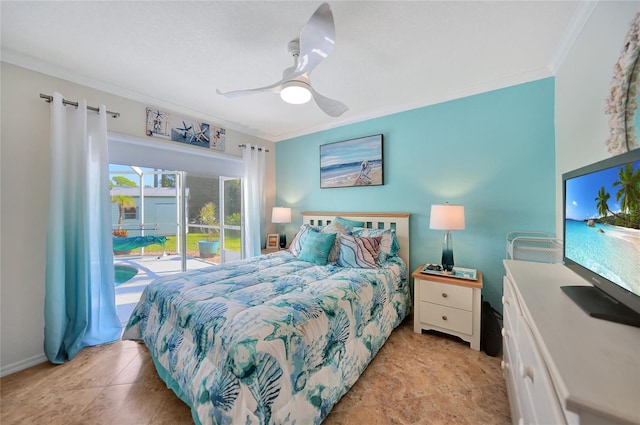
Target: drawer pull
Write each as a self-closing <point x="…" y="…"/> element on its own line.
<point x="444" y="317"/>
<point x="504" y="332"/>
<point x="505" y="300"/>
<point x="444" y="295"/>
<point x="526" y="372"/>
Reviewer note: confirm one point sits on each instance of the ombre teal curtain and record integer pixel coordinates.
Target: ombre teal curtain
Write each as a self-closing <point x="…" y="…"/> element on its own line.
<point x="79" y="308"/>
<point x="253" y="158"/>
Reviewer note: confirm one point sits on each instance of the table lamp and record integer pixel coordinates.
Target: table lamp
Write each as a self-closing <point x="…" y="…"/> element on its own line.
<point x="281" y="215"/>
<point x="447" y="217"/>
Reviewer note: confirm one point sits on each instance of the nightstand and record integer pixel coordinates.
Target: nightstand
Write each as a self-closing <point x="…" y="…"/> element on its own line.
<point x="269" y="250"/>
<point x="447" y="304"/>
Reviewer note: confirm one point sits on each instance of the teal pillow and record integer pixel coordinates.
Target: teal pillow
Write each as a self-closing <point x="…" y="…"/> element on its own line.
<point x="347" y="222"/>
<point x="301" y="236"/>
<point x="316" y="247"/>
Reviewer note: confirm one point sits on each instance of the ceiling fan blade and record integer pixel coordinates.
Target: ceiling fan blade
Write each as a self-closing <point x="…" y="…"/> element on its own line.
<point x="316" y="39"/>
<point x="331" y="107"/>
<point x="273" y="88"/>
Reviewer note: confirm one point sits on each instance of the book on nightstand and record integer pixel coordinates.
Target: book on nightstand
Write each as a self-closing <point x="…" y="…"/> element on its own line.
<point x="457" y="272"/>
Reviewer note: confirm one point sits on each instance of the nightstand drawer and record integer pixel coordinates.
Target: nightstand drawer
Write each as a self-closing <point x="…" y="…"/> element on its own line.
<point x="446" y="294"/>
<point x="446" y="317"/>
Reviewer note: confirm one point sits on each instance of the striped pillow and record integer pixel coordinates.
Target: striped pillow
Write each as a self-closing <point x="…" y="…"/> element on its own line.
<point x="358" y="252"/>
<point x="389" y="245"/>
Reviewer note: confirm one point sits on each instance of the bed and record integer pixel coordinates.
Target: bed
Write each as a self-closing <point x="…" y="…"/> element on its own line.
<point x="278" y="338"/>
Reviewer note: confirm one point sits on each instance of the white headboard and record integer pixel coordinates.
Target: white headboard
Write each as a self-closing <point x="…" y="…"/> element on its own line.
<point x="398" y="221"/>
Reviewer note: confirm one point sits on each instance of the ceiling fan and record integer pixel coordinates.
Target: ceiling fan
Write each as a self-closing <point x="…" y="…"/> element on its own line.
<point x="315" y="43"/>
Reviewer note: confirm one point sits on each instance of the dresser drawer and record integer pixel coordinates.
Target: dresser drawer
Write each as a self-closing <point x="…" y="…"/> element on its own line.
<point x="446" y="317"/>
<point x="510" y="305"/>
<point x="536" y="381"/>
<point x="508" y="333"/>
<point x="509" y="367"/>
<point x="447" y="295"/>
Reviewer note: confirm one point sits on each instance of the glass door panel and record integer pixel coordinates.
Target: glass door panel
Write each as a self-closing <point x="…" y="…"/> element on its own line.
<point x="231" y="229"/>
<point x="203" y="217"/>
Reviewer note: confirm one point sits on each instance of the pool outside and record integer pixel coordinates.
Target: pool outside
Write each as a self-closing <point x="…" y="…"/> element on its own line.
<point x="149" y="268"/>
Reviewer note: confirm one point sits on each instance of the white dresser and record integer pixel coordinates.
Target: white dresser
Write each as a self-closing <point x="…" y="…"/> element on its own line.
<point x="560" y="365"/>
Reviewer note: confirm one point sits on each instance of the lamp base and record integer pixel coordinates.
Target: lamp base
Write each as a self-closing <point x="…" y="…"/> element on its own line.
<point x="447" y="253"/>
<point x="283" y="241"/>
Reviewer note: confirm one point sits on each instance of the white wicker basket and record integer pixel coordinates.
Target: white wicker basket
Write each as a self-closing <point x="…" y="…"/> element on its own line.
<point x="540" y="247"/>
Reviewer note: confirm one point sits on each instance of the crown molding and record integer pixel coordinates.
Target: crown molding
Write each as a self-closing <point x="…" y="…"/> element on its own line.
<point x="484" y="87"/>
<point x="33" y="64"/>
<point x="579" y="19"/>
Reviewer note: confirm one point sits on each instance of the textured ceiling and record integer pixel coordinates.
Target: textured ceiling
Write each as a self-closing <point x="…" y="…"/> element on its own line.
<point x="388" y="57"/>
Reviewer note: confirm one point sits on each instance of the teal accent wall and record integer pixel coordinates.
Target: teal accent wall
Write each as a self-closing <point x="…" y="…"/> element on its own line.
<point x="492" y="152"/>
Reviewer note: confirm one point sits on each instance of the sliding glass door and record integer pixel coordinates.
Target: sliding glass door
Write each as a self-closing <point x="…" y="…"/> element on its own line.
<point x="161" y="214"/>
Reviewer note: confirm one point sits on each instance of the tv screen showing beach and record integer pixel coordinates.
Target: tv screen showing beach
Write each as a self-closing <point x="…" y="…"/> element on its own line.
<point x="602" y="223"/>
<point x="356" y="162"/>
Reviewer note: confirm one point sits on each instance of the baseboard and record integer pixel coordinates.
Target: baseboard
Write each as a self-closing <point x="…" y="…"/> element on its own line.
<point x="22" y="364"/>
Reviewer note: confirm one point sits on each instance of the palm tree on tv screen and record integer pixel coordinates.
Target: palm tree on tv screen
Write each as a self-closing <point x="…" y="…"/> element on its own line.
<point x="602" y="198"/>
<point x="629" y="192"/>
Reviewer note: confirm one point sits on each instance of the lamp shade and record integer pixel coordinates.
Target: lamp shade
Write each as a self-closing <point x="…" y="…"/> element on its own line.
<point x="281" y="215"/>
<point x="447" y="217"/>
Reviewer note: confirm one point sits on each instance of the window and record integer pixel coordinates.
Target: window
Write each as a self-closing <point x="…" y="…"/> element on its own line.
<point x="130" y="213"/>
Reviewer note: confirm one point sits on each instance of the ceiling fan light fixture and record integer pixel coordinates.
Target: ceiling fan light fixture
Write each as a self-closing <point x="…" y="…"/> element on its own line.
<point x="295" y="92"/>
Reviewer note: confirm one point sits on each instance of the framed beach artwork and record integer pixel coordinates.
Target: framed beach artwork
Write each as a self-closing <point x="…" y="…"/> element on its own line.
<point x="184" y="130"/>
<point x="157" y="123"/>
<point x="191" y="132"/>
<point x="356" y="162"/>
<point x="218" y="137"/>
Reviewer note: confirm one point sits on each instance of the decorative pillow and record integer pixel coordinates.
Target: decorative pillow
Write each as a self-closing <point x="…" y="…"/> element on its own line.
<point x="389" y="245"/>
<point x="358" y="252"/>
<point x="316" y="247"/>
<point x="301" y="236"/>
<point x="347" y="222"/>
<point x="338" y="229"/>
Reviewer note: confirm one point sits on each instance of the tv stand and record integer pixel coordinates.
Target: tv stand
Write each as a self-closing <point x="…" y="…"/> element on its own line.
<point x="598" y="304"/>
<point x="562" y="366"/>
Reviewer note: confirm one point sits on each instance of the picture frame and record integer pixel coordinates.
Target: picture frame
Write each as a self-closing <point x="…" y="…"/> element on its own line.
<point x="185" y="130"/>
<point x="354" y="162"/>
<point x="191" y="132"/>
<point x="272" y="241"/>
<point x="157" y="123"/>
<point x="218" y="138"/>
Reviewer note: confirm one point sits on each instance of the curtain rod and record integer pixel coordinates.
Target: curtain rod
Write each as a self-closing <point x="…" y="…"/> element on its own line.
<point x="253" y="147"/>
<point x="49" y="99"/>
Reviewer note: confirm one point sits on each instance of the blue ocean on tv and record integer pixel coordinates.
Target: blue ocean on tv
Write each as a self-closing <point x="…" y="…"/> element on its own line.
<point x="606" y="250"/>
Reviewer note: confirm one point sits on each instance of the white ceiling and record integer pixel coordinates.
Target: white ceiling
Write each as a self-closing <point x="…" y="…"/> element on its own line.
<point x="389" y="56"/>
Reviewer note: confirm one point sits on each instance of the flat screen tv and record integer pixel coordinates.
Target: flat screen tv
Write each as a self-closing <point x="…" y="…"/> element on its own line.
<point x="602" y="237"/>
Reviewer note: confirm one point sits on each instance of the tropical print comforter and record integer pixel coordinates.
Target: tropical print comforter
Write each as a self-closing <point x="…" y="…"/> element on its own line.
<point x="270" y="339"/>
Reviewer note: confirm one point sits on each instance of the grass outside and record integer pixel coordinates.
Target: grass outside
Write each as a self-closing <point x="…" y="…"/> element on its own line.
<point x="232" y="243"/>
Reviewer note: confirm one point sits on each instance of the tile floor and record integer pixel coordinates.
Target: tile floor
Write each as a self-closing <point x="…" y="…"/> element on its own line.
<point x="414" y="379"/>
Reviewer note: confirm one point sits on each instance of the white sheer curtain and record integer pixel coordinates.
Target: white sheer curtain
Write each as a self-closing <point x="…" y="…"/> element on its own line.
<point x="79" y="288"/>
<point x="253" y="198"/>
